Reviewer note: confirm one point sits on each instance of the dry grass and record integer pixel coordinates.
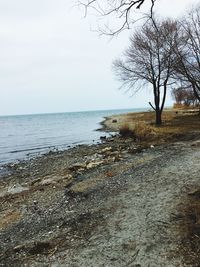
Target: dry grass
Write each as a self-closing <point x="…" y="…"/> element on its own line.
<point x="144" y="131"/>
<point x="177" y="124"/>
<point x="183" y="106"/>
<point x="140" y="131"/>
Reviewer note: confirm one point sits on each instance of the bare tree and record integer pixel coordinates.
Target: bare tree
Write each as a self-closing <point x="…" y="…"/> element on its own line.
<point x="184" y="96"/>
<point x="149" y="60"/>
<point x="187" y="64"/>
<point x="119" y="11"/>
<point x="178" y="95"/>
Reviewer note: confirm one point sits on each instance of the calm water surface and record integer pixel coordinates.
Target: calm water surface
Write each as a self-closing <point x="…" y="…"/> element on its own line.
<point x="23" y="137"/>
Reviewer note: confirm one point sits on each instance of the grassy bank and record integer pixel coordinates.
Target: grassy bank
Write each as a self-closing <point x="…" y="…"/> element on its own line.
<point x="177" y="124"/>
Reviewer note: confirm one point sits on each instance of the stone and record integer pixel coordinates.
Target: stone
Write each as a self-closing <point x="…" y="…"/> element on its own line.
<point x="106" y="149"/>
<point x="77" y="166"/>
<point x="115" y="153"/>
<point x="17" y="188"/>
<point x="94" y="164"/>
<point x="35" y="181"/>
<point x="52" y="180"/>
<point x="48" y="181"/>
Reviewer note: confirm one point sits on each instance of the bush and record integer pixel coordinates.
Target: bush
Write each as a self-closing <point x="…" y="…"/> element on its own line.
<point x="125" y="131"/>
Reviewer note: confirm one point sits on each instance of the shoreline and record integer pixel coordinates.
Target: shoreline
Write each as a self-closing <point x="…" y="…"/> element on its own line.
<point x="41" y="141"/>
<point x="117" y="196"/>
<point x="106" y="126"/>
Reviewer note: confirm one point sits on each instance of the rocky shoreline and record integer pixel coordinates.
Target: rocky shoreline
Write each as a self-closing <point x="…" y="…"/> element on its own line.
<point x="109" y="204"/>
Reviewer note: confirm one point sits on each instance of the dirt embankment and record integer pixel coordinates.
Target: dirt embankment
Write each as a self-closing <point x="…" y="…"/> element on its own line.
<point x="119" y="204"/>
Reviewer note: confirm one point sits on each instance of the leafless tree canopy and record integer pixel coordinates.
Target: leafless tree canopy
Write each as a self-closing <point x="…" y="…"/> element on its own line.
<point x="184" y="96"/>
<point x="188" y="51"/>
<point x="119" y="11"/>
<point x="161" y="53"/>
<point x="149" y="59"/>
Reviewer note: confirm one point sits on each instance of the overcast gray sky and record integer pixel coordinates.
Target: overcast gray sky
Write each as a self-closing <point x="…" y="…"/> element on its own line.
<point x="51" y="61"/>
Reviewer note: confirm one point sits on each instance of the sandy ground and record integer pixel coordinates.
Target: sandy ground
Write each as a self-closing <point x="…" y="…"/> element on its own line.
<point x="112" y="204"/>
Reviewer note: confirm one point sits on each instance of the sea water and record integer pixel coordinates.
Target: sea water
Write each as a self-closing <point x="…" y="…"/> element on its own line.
<point x="26" y="136"/>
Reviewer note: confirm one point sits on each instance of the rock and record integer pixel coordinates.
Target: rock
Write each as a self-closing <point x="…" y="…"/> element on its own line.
<point x="102" y="138"/>
<point x="125" y="151"/>
<point x="151" y="146"/>
<point x="17" y="188"/>
<point x="21" y="168"/>
<point x="94" y="164"/>
<point x="114" y="159"/>
<point x="78" y="166"/>
<point x="35" y="181"/>
<point x="115" y="153"/>
<point x="106" y="149"/>
<point x="48" y="181"/>
<point x="80" y="171"/>
<point x="114" y="121"/>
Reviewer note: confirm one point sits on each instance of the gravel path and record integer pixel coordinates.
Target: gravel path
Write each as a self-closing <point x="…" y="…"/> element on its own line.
<point x="140" y="231"/>
<point x="123" y="213"/>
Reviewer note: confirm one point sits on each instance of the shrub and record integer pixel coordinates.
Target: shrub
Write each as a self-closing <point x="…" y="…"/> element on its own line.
<point x="125" y="131"/>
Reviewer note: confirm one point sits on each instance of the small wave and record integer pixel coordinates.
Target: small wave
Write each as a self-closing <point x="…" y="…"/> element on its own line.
<point x="30" y="149"/>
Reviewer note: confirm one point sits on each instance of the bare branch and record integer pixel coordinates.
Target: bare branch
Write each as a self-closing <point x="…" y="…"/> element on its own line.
<point x="149" y="60"/>
<point x="116" y="10"/>
<point x="187" y="65"/>
<point x="152" y="106"/>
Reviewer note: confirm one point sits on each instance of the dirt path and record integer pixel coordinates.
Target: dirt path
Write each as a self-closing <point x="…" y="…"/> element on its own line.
<point x="141" y="230"/>
<point x="124" y="213"/>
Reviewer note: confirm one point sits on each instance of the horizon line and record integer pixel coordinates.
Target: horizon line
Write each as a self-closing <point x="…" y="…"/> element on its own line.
<point x="62" y="112"/>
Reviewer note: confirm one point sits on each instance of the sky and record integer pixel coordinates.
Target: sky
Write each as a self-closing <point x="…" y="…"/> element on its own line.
<point x="53" y="60"/>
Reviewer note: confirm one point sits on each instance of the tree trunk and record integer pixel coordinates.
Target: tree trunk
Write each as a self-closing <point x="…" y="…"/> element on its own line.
<point x="158" y="117"/>
<point x="195" y="90"/>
